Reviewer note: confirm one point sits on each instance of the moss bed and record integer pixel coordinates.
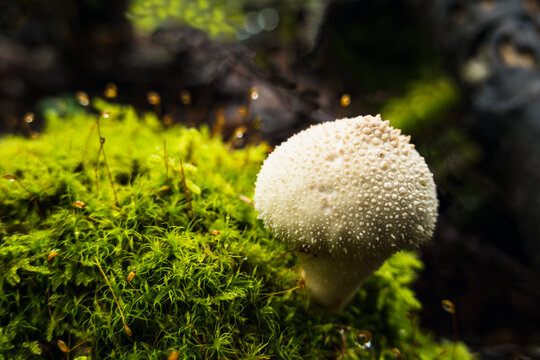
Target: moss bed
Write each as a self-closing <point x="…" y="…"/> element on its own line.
<point x="150" y="249"/>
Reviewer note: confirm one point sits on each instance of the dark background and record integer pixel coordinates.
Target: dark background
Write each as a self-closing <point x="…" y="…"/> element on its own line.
<point x="483" y="146"/>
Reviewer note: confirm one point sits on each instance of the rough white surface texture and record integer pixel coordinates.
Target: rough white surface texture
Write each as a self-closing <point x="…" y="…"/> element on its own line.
<point x="353" y="192"/>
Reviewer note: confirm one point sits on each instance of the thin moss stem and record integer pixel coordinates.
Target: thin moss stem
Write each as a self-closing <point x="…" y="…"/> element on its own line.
<point x="188" y="198"/>
<point x="126" y="328"/>
<point x="10" y="177"/>
<point x="301" y="285"/>
<point x="102" y="150"/>
<point x="96" y="171"/>
<point x="166" y="160"/>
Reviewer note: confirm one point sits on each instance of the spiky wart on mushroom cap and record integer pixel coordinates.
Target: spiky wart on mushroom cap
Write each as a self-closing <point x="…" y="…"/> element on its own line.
<point x="348" y="188"/>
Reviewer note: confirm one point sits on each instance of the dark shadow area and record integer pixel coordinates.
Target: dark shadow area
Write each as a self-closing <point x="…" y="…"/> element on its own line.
<point x="485" y="254"/>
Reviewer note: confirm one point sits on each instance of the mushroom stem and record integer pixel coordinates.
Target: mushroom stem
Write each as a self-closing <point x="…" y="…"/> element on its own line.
<point x="333" y="281"/>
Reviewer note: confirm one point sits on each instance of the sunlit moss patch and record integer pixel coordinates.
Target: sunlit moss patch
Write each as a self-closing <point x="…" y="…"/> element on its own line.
<point x="133" y="241"/>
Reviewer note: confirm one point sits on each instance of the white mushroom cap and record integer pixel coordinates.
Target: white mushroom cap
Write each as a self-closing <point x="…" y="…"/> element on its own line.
<point x="353" y="192"/>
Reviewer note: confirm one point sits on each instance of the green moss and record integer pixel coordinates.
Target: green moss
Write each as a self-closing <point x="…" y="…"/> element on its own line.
<point x="217" y="18"/>
<point x="198" y="267"/>
<point x="423" y="101"/>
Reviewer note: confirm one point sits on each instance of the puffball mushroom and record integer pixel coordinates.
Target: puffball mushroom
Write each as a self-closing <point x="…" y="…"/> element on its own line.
<point x="347" y="194"/>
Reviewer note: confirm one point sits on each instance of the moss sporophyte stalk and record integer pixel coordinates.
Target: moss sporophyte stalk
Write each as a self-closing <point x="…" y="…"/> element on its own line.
<point x="135" y="241"/>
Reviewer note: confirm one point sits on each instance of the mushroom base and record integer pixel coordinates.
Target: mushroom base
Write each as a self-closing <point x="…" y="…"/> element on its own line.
<point x="333" y="281"/>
